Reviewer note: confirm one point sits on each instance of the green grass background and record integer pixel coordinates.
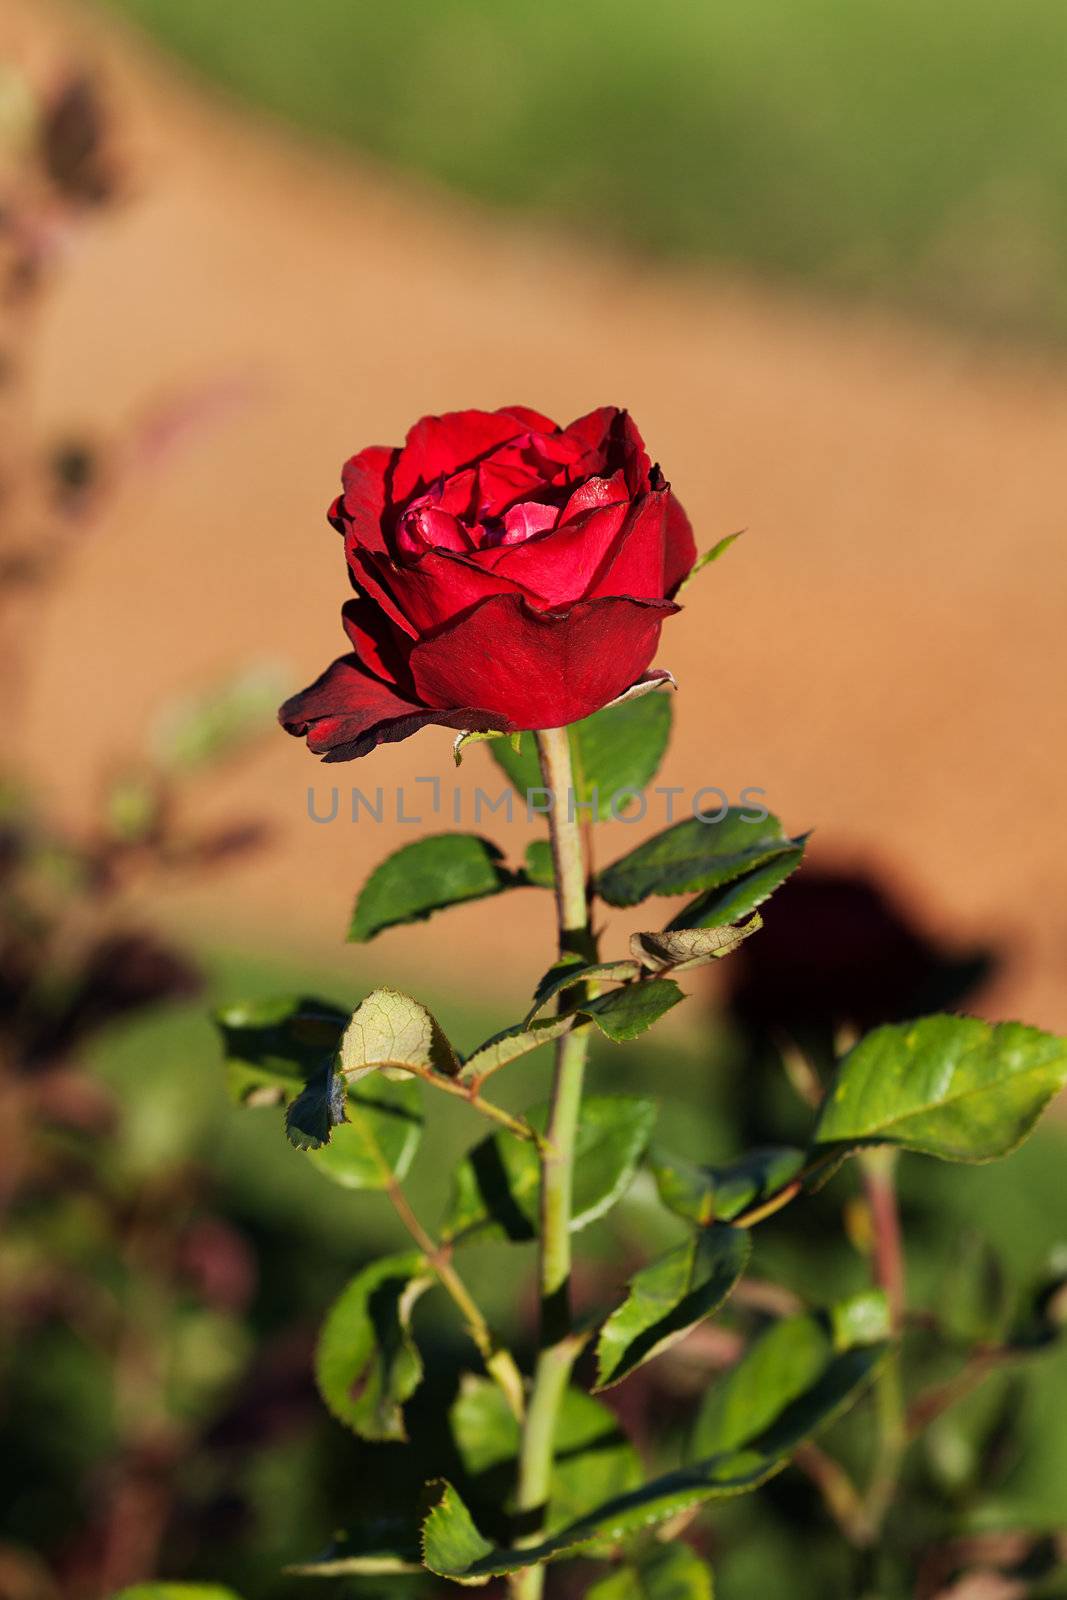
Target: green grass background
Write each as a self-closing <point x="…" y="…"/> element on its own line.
<point x="914" y="151"/>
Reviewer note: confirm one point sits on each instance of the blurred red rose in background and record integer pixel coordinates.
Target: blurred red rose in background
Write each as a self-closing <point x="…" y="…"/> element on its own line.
<point x="509" y="573"/>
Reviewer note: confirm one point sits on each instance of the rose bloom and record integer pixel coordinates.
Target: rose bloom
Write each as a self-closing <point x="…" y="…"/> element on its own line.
<point x="509" y="574"/>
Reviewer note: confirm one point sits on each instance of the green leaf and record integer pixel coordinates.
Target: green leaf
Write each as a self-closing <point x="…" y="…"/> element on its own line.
<point x="782" y="1375"/>
<point x="625" y="1013"/>
<point x="376" y="1143"/>
<point x="272" y="1047"/>
<point x="380" y="1547"/>
<point x="366" y="1362"/>
<point x="785" y="1415"/>
<point x="690" y="947"/>
<point x="570" y="970"/>
<point x="511" y="1043"/>
<point x="538" y="867"/>
<point x="665" y="1572"/>
<point x="319" y="1107"/>
<point x="175" y="1591"/>
<point x="719" y="907"/>
<point x="954" y="1087"/>
<point x="621" y="1014"/>
<point x="705" y="559"/>
<point x="616" y="749"/>
<point x="592" y="1459"/>
<point x="669" y="1297"/>
<point x="391" y="1032"/>
<point x="709" y="1194"/>
<point x="498" y="1184"/>
<point x="692" y="855"/>
<point x="429" y="875"/>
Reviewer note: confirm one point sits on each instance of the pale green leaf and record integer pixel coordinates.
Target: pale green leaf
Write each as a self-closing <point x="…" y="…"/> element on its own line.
<point x="689" y="947"/>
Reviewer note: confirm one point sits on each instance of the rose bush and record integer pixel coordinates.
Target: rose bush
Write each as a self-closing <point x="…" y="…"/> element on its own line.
<point x="510" y="574"/>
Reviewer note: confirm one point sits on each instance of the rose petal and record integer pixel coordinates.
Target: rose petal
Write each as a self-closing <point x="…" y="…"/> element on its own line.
<point x="359" y="509"/>
<point x="526" y="519"/>
<point x="681" y="550"/>
<point x="380" y="646"/>
<point x="437" y="447"/>
<point x="593" y="493"/>
<point x="440" y="584"/>
<point x="558" y="567"/>
<point x="634" y="566"/>
<point x="345" y="713"/>
<point x="538" y="669"/>
<point x="430" y="528"/>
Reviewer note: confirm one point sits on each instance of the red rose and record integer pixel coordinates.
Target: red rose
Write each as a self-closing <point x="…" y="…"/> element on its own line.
<point x="509" y="574"/>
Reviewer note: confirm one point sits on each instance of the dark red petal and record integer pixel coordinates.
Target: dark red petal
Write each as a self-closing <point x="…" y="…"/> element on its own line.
<point x="436" y="447"/>
<point x="346" y="713"/>
<point x="441" y="584"/>
<point x="380" y="646"/>
<point x="539" y="669"/>
<point x="358" y="511"/>
<point x="610" y="441"/>
<point x="558" y="567"/>
<point x="681" y="550"/>
<point x="377" y="577"/>
<point x="634" y="566"/>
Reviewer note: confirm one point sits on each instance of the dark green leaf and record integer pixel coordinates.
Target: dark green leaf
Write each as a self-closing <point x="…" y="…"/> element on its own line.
<point x="511" y="1043"/>
<point x="317" y="1110"/>
<point x="272" y="1047"/>
<point x="782" y="1375"/>
<point x="665" y="1572"/>
<point x="453" y="1547"/>
<point x="570" y="970"/>
<point x="377" y="1548"/>
<point x="615" y="750"/>
<point x="689" y="947"/>
<point x="366" y="1362"/>
<point x="592" y="1459"/>
<point x="708" y="1194"/>
<point x="378" y="1139"/>
<point x="669" y="1297"/>
<point x="498" y="1184"/>
<point x="720" y="907"/>
<point x="954" y="1087"/>
<point x="442" y="870"/>
<point x="695" y="854"/>
<point x="626" y="1013"/>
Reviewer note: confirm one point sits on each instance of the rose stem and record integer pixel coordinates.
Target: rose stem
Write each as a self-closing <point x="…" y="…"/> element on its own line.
<point x="879" y="1180"/>
<point x="498" y="1361"/>
<point x="558" y="1346"/>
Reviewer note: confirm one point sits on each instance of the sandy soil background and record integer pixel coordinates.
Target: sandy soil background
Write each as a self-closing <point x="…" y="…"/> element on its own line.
<point x="885" y="651"/>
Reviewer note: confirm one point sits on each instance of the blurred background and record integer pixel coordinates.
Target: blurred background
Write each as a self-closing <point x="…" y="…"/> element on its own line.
<point x="820" y="252"/>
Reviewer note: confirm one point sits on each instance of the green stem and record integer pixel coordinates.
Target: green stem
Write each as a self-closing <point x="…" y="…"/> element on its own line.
<point x="879" y="1173"/>
<point x="558" y="1346"/>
